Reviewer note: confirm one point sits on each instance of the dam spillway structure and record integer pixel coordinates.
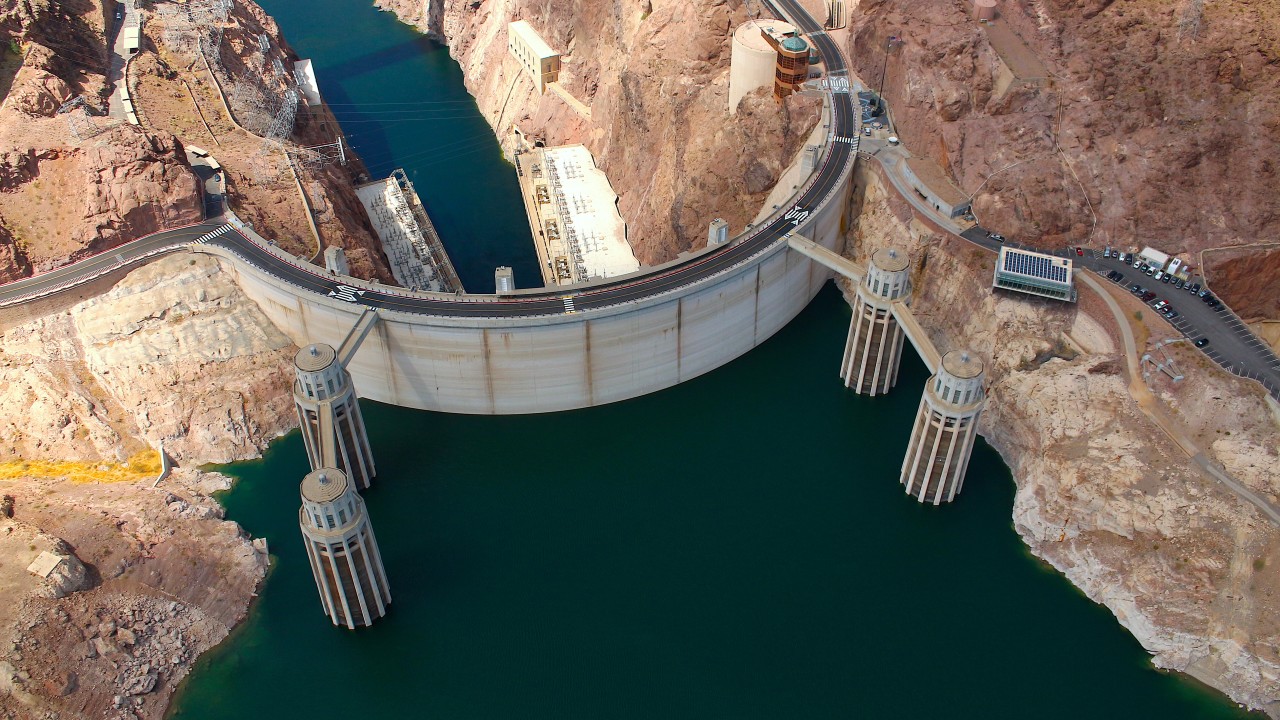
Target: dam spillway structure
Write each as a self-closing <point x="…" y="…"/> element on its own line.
<point x="944" y="430"/>
<point x="873" y="349"/>
<point x="329" y="414"/>
<point x="342" y="549"/>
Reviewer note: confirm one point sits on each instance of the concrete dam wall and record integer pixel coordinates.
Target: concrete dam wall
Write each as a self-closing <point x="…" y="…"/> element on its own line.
<point x="567" y="361"/>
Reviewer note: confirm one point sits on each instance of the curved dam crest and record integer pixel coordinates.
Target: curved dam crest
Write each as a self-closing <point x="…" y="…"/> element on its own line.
<point x="596" y="344"/>
<point x="559" y="362"/>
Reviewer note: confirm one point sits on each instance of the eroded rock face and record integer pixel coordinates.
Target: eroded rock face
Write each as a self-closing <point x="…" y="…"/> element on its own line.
<point x="174" y="353"/>
<point x="655" y="76"/>
<point x="1102" y="493"/>
<point x="1138" y="119"/>
<point x="171" y="579"/>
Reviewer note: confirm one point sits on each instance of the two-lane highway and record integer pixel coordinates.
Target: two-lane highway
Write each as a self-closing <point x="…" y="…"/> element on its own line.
<point x="827" y="181"/>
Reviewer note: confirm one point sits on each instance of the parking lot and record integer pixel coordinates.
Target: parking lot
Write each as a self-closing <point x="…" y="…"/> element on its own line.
<point x="1230" y="343"/>
<point x="1206" y="321"/>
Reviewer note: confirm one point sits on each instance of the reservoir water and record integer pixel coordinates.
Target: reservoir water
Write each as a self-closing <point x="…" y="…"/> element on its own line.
<point x="734" y="547"/>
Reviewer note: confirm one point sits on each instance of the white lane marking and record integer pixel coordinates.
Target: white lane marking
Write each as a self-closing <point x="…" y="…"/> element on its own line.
<point x="212" y="234"/>
<point x="346" y="293"/>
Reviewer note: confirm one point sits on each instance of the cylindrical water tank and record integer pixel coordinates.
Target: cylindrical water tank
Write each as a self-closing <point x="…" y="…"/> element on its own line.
<point x="984" y="9"/>
<point x="753" y="59"/>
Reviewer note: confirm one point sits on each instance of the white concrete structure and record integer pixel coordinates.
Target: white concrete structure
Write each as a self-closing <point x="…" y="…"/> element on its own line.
<point x="753" y="61"/>
<point x="305" y="74"/>
<point x="1154" y="257"/>
<point x="539" y="61"/>
<point x="132" y="38"/>
<point x="329" y="416"/>
<point x="592" y="237"/>
<point x="504" y="280"/>
<point x="417" y="257"/>
<point x="873" y="350"/>
<point x="494" y="365"/>
<point x="335" y="260"/>
<point x="717" y="232"/>
<point x="944" y="430"/>
<point x="343" y="552"/>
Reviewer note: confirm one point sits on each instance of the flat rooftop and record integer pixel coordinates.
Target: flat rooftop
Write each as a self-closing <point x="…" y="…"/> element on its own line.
<point x="414" y="252"/>
<point x="593" y="236"/>
<point x="1034" y="273"/>
<point x="938" y="181"/>
<point x="531" y="38"/>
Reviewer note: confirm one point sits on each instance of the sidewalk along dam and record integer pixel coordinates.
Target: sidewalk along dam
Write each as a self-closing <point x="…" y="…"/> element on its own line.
<point x="539" y="351"/>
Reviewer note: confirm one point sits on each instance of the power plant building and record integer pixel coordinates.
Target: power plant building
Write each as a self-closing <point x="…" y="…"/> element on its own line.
<point x="1034" y="273"/>
<point x="329" y="415"/>
<point x="539" y="61"/>
<point x="766" y="52"/>
<point x="343" y="552"/>
<point x="944" y="430"/>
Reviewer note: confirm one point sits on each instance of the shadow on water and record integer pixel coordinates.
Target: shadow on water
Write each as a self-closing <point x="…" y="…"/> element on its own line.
<point x="736" y="546"/>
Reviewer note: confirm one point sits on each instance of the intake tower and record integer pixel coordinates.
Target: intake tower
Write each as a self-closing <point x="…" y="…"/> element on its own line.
<point x="332" y="427"/>
<point x="343" y="552"/>
<point x="944" y="430"/>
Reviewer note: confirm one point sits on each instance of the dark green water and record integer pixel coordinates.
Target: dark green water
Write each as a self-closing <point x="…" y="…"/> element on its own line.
<point x="735" y="547"/>
<point x="401" y="100"/>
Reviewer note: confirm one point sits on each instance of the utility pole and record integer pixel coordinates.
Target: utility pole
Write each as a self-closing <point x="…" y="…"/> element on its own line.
<point x="884" y="68"/>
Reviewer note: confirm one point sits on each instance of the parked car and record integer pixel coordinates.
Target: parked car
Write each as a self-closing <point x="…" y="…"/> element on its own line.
<point x="1178" y="284"/>
<point x="1202" y="342"/>
<point x="1160" y="304"/>
<point x="1195" y="288"/>
<point x="997" y="237"/>
<point x="1136" y="289"/>
<point x="1167" y="278"/>
<point x="1171" y="314"/>
<point x="1203" y="292"/>
<point x="1148" y="296"/>
<point x="1079" y="251"/>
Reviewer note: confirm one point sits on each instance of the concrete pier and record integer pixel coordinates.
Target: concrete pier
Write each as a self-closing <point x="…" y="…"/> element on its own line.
<point x="329" y="415"/>
<point x="873" y="349"/>
<point x="944" y="430"/>
<point x="343" y="552"/>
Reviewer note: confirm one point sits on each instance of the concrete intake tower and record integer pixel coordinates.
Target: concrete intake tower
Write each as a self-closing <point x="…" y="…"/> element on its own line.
<point x="944" y="430"/>
<point x="329" y="415"/>
<point x="874" y="348"/>
<point x="343" y="552"/>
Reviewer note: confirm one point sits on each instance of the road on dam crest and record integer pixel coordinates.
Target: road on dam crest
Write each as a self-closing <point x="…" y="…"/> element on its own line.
<point x="827" y="179"/>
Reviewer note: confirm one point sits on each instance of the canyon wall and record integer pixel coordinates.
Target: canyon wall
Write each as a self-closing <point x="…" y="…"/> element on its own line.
<point x="149" y="573"/>
<point x="655" y="78"/>
<point x="80" y="183"/>
<point x="1093" y="122"/>
<point x="1103" y="494"/>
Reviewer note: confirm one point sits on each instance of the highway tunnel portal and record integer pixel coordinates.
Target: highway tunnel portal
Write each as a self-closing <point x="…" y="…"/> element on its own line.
<point x="547" y="350"/>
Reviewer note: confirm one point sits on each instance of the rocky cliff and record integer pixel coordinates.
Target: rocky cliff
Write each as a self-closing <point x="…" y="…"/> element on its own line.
<point x="188" y="93"/>
<point x="655" y="76"/>
<point x="68" y="191"/>
<point x="1091" y="121"/>
<point x="1103" y="494"/>
<point x="172" y="354"/>
<point x="80" y="183"/>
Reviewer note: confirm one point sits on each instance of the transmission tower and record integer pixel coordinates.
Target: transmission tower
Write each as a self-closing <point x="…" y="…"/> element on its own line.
<point x="317" y="156"/>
